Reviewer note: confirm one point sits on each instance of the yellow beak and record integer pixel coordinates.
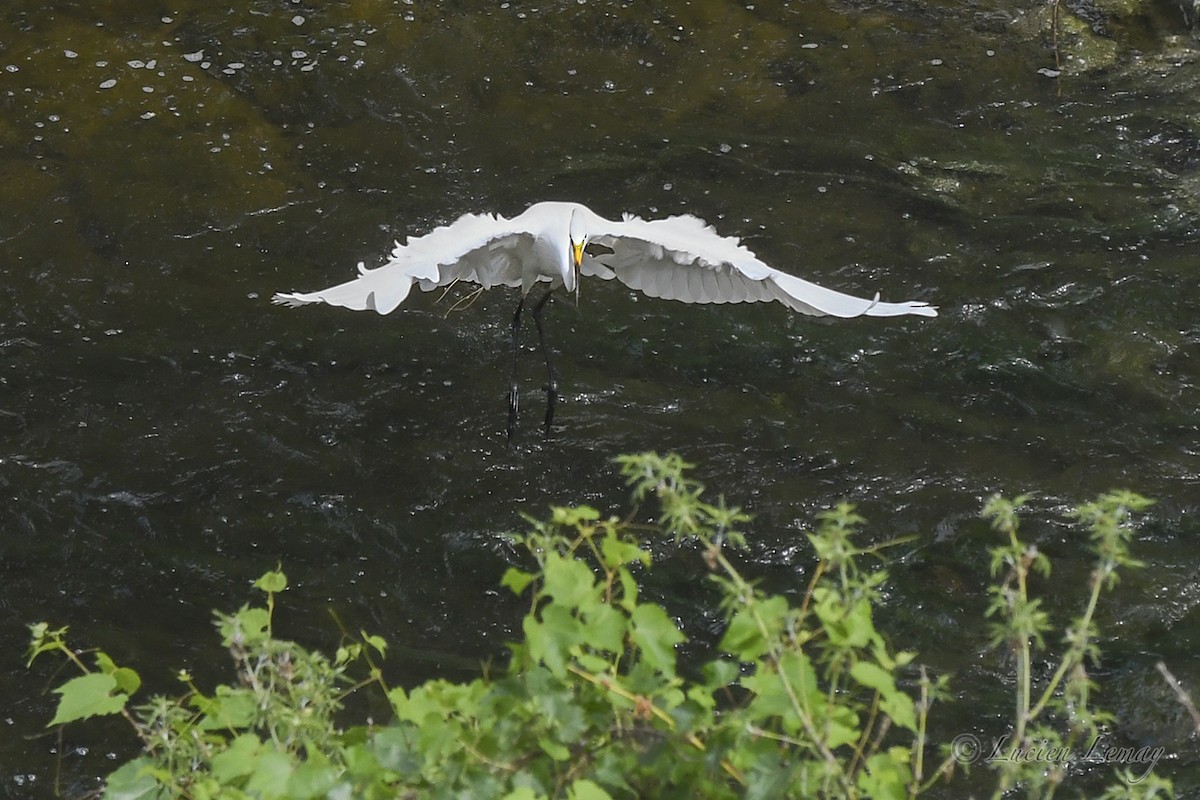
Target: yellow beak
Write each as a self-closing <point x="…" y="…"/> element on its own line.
<point x="577" y="259"/>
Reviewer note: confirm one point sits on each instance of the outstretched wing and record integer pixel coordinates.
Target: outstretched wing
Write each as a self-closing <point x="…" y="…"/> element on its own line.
<point x="682" y="258"/>
<point x="485" y="249"/>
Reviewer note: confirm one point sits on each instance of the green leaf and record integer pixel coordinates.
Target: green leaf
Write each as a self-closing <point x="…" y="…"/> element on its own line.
<point x="128" y="681"/>
<point x="618" y="553"/>
<point x="247" y="626"/>
<point x="360" y="763"/>
<point x="517" y="579"/>
<point x="133" y="781"/>
<point x="849" y="627"/>
<point x="720" y="673"/>
<point x="347" y="653"/>
<point x="395" y="749"/>
<point x="901" y="708"/>
<point x="583" y="789"/>
<point x="573" y="517"/>
<point x="744" y="639"/>
<point x="88" y="696"/>
<point x="552" y="639"/>
<point x="595" y="663"/>
<point x="841" y="727"/>
<point x="228" y="709"/>
<point x="887" y="775"/>
<point x="895" y="703"/>
<point x="398" y="698"/>
<point x="629" y="590"/>
<point x="553" y="749"/>
<point x="238" y="759"/>
<point x="785" y="692"/>
<point x="874" y="677"/>
<point x="568" y="580"/>
<point x="312" y="779"/>
<point x="606" y="628"/>
<point x="375" y="641"/>
<point x="271" y="582"/>
<point x="415" y="707"/>
<point x="656" y="634"/>
<point x="272" y="770"/>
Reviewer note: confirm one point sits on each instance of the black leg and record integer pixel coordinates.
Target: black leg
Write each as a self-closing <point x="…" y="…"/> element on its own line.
<point x="512" y="384"/>
<point x="552" y="385"/>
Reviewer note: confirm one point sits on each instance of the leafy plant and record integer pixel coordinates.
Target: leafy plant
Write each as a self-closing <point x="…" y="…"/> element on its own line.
<point x="1060" y="716"/>
<point x="803" y="700"/>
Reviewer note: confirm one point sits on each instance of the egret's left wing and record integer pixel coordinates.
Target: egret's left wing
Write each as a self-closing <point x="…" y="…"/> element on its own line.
<point x="479" y="248"/>
<point x="682" y="258"/>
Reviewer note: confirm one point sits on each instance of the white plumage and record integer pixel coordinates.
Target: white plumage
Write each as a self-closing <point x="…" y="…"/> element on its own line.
<point x="678" y="258"/>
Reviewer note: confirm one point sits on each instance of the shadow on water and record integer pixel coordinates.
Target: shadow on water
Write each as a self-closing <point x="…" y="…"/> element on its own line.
<point x="168" y="435"/>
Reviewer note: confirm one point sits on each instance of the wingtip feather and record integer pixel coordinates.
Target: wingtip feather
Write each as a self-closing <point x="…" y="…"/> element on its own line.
<point x="291" y="300"/>
<point x="914" y="307"/>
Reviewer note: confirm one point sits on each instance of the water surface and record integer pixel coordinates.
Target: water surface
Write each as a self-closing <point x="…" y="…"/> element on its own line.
<point x="168" y="435"/>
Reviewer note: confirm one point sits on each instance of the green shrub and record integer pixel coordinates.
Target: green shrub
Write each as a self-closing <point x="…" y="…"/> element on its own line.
<point x="803" y="701"/>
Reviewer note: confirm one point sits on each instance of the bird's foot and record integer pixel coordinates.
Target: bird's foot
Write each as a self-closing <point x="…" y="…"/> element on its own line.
<point x="551" y="402"/>
<point x="512" y="411"/>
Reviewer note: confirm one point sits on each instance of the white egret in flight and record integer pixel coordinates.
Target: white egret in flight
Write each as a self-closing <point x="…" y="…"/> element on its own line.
<point x="677" y="258"/>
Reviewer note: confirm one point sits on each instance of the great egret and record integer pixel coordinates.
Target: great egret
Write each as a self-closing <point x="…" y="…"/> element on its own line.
<point x="677" y="258"/>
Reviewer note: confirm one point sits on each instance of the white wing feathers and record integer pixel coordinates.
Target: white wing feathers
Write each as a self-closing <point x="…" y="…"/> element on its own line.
<point x="682" y="258"/>
<point x="677" y="258"/>
<point x="479" y="248"/>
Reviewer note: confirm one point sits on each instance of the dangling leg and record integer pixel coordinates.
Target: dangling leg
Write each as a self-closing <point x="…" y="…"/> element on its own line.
<point x="512" y="384"/>
<point x="552" y="385"/>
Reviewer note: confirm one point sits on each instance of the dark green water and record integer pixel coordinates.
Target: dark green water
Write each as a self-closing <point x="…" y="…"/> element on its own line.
<point x="168" y="435"/>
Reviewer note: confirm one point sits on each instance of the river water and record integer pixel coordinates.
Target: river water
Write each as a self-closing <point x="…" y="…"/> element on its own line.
<point x="168" y="434"/>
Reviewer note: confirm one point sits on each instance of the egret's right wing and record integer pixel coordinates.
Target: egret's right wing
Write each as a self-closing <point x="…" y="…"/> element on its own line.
<point x="485" y="249"/>
<point x="682" y="258"/>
